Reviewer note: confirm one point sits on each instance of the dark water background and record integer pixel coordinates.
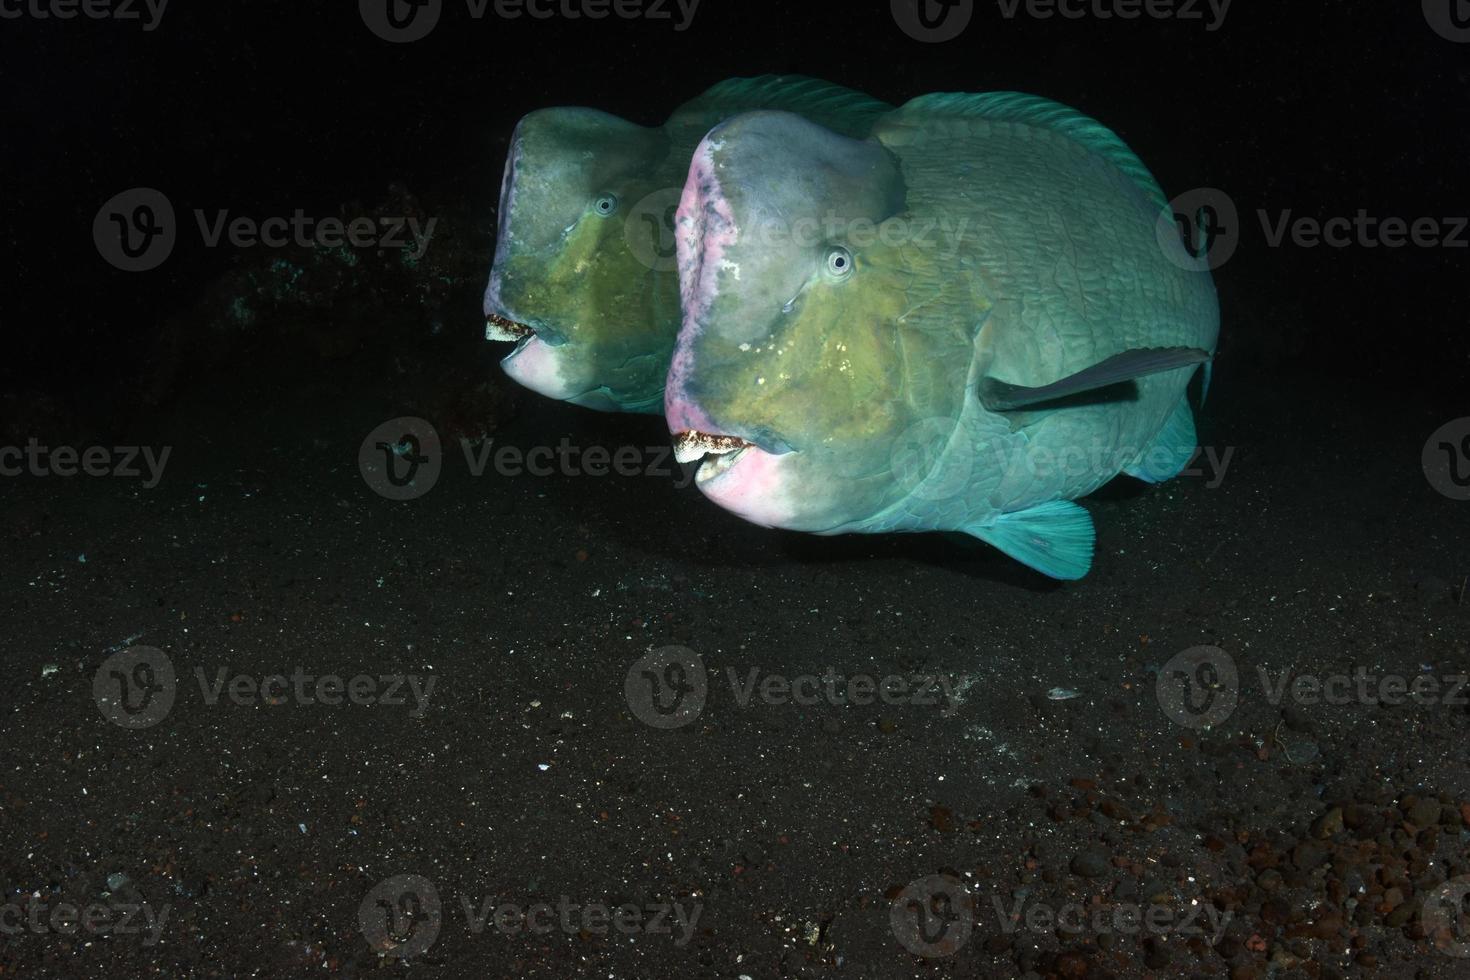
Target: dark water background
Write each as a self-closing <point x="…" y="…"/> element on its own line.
<point x="1064" y="776"/>
<point x="263" y="107"/>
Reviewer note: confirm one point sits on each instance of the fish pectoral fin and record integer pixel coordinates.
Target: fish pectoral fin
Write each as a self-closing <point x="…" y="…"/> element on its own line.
<point x="1171" y="450"/>
<point x="1002" y="396"/>
<point x="1054" y="538"/>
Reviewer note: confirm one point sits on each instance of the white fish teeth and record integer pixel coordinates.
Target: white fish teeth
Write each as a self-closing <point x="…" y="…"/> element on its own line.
<point x="690" y="446"/>
<point x="500" y="328"/>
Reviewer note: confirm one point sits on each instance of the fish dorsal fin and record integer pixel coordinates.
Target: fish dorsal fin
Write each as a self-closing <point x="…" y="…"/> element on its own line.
<point x="1029" y="110"/>
<point x="838" y="108"/>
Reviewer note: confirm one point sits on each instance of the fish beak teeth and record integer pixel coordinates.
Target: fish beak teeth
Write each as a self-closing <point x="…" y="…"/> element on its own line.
<point x="498" y="327"/>
<point x="690" y="445"/>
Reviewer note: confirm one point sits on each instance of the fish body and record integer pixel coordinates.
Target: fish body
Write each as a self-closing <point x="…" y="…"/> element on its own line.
<point x="1021" y="327"/>
<point x="584" y="277"/>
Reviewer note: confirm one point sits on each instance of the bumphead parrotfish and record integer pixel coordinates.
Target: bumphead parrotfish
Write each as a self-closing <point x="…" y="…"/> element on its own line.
<point x="845" y="367"/>
<point x="584" y="276"/>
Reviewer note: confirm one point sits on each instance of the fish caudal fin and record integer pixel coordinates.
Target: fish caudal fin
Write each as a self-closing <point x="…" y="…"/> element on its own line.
<point x="1001" y="396"/>
<point x="1171" y="450"/>
<point x="1054" y="538"/>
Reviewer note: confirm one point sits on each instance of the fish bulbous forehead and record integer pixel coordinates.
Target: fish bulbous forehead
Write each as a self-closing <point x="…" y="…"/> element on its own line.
<point x="775" y="169"/>
<point x="768" y="193"/>
<point x="560" y="158"/>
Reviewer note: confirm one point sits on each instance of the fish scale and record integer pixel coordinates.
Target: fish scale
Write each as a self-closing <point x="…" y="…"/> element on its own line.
<point x="594" y="316"/>
<point x="1046" y="352"/>
<point x="1086" y="280"/>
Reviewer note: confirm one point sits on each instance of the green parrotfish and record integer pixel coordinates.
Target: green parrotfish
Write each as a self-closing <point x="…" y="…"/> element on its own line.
<point x="961" y="323"/>
<point x="584" y="276"/>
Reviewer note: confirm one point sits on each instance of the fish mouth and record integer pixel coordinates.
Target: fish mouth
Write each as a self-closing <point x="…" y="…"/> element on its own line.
<point x="720" y="452"/>
<point x="743" y="477"/>
<point x="498" y="327"/>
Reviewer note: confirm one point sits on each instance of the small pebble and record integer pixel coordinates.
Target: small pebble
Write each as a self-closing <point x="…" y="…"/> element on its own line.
<point x="1091" y="863"/>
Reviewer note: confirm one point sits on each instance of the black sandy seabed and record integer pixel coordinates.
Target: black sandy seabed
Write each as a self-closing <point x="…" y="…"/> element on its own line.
<point x="1112" y="749"/>
<point x="1055" y="777"/>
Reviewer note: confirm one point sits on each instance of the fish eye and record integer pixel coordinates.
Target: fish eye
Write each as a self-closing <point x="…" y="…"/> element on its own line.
<point x="839" y="263"/>
<point x="605" y="205"/>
